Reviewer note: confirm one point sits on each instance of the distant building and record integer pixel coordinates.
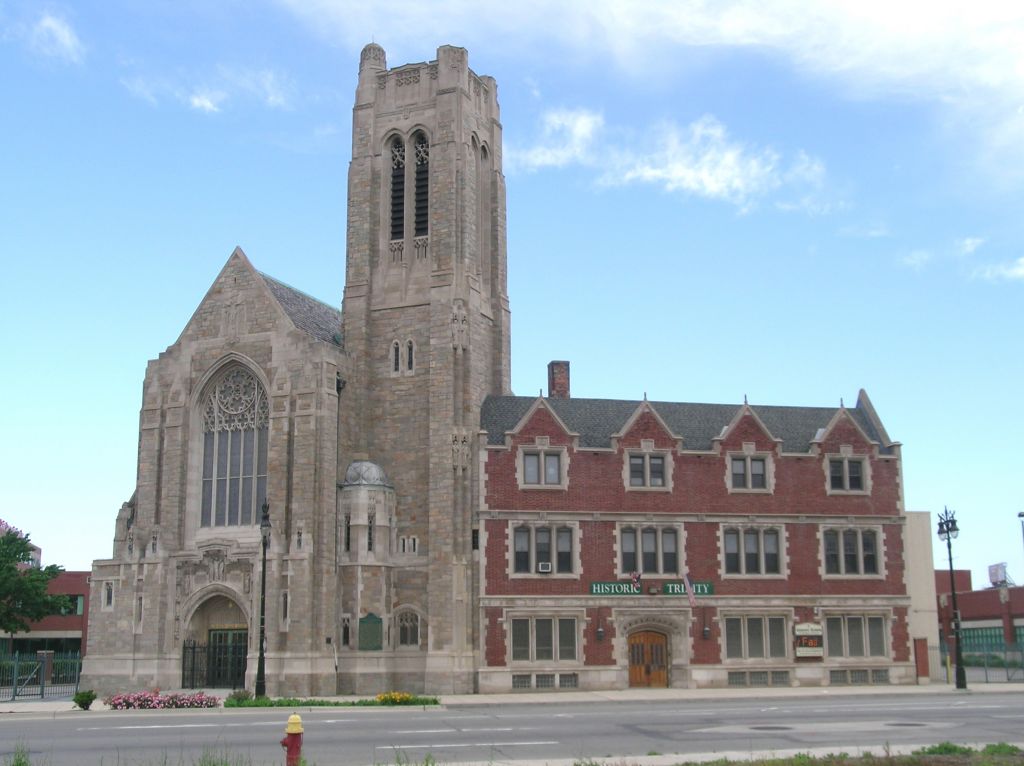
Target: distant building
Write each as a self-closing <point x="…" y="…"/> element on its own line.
<point x="67" y="632"/>
<point x="989" y="618"/>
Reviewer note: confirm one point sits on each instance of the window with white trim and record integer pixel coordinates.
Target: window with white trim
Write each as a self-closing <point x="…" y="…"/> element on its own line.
<point x="542" y="468"/>
<point x="544" y="639"/>
<point x="855" y="635"/>
<point x="752" y="550"/>
<point x="850" y="551"/>
<point x="847" y="474"/>
<point x="543" y="549"/>
<point x="755" y="637"/>
<point x="649" y="549"/>
<point x="235" y="420"/>
<point x="647" y="470"/>
<point x="748" y="472"/>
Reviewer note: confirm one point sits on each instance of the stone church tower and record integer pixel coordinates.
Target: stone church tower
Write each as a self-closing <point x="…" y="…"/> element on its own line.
<point x="426" y="324"/>
<point x="355" y="428"/>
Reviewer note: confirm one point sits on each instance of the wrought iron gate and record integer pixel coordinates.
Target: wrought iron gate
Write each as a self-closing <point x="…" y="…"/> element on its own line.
<point x="218" y="664"/>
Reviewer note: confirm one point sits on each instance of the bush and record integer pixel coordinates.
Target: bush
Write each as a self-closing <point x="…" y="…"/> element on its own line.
<point x="84" y="699"/>
<point x="154" y="700"/>
<point x="944" y="748"/>
<point x="1001" y="748"/>
<point x="387" y="698"/>
<point x="238" y="695"/>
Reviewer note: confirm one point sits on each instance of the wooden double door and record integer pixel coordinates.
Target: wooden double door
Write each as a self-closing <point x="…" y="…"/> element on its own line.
<point x="648" y="659"/>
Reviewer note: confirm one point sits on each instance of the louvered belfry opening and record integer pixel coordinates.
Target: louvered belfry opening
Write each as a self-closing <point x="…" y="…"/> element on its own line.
<point x="397" y="189"/>
<point x="422" y="173"/>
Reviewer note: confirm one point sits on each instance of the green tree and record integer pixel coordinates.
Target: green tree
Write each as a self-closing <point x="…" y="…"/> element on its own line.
<point x="23" y="596"/>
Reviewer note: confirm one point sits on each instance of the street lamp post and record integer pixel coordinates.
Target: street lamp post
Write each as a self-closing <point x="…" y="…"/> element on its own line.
<point x="947" y="531"/>
<point x="1021" y="517"/>
<point x="261" y="663"/>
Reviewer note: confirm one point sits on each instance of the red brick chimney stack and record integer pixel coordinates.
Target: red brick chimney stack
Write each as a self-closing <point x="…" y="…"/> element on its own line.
<point x="558" y="380"/>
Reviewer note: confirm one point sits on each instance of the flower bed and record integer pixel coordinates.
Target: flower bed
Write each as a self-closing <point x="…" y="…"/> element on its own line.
<point x="154" y="700"/>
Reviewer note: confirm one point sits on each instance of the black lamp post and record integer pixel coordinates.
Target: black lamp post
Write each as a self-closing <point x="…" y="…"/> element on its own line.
<point x="261" y="663"/>
<point x="947" y="531"/>
<point x="1021" y="517"/>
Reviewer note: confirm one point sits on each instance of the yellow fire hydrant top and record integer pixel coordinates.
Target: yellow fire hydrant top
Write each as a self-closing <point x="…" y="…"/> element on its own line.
<point x="294" y="724"/>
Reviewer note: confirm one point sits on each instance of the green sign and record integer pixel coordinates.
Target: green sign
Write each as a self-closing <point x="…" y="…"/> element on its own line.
<point x="615" y="589"/>
<point x="700" y="588"/>
<point x="627" y="588"/>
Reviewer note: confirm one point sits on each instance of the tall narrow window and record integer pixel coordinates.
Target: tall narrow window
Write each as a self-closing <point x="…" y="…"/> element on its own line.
<point x="235" y="435"/>
<point x="564" y="542"/>
<point x="522" y="549"/>
<point x="669" y="556"/>
<point x="371" y="523"/>
<point x="408" y="355"/>
<point x="408" y="629"/>
<point x="649" y="540"/>
<point x="483" y="194"/>
<point x="396" y="357"/>
<point x="397" y="189"/>
<point x="628" y="542"/>
<point x="422" y="179"/>
<point x="542" y="544"/>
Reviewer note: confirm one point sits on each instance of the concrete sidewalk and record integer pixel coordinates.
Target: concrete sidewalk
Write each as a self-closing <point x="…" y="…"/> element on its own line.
<point x="47" y="708"/>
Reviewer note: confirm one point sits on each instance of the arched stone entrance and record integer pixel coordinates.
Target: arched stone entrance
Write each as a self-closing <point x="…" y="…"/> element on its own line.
<point x="216" y="645"/>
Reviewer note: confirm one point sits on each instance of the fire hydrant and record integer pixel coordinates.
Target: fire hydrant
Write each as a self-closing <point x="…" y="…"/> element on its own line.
<point x="292" y="742"/>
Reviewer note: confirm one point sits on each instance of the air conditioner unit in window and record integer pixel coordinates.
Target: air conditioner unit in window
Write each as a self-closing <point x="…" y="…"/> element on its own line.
<point x="544" y="567"/>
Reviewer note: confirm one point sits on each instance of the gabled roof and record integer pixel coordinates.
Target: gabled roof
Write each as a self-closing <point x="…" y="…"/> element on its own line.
<point x="596" y="420"/>
<point x="308" y="314"/>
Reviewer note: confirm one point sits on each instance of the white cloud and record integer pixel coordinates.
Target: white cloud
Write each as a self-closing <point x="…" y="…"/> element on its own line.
<point x="702" y="160"/>
<point x="273" y="89"/>
<point x="269" y="88"/>
<point x="916" y="259"/>
<point x="967" y="58"/>
<point x="568" y="137"/>
<point x="206" y="100"/>
<point x="1013" y="270"/>
<point x="968" y="245"/>
<point x="142" y="88"/>
<point x="874" y="231"/>
<point x="53" y="36"/>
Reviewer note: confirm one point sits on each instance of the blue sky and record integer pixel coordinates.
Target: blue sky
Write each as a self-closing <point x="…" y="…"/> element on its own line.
<point x="786" y="201"/>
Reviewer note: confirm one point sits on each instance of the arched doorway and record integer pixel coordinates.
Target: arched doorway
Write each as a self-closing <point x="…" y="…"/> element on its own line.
<point x="214" y="653"/>
<point x="648" y="659"/>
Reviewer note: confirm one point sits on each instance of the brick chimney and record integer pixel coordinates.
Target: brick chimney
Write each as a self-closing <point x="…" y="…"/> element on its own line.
<point x="558" y="380"/>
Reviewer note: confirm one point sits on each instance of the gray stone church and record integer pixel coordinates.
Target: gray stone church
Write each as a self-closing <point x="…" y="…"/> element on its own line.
<point x="357" y="428"/>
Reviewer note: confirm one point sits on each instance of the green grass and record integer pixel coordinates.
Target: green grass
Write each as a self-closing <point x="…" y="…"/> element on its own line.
<point x="18" y="758"/>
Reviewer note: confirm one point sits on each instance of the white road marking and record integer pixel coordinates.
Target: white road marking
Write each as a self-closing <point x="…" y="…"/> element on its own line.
<point x="436" y="745"/>
<point x="425" y="731"/>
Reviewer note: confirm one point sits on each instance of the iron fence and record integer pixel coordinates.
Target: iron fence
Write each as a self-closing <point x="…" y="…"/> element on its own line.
<point x="990" y="662"/>
<point x="39" y="675"/>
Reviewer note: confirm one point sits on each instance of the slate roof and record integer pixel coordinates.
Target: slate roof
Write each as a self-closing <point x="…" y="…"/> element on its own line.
<point x="596" y="420"/>
<point x="317" y="319"/>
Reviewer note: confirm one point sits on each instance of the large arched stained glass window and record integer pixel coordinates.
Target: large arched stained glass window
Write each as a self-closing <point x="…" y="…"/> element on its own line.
<point x="235" y="417"/>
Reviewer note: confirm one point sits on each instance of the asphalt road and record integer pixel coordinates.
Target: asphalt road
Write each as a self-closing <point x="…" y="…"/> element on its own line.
<point x="516" y="732"/>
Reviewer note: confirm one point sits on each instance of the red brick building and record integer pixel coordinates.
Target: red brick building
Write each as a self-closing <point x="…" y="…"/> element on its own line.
<point x="59" y="632"/>
<point x="990" y="619"/>
<point x="639" y="543"/>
